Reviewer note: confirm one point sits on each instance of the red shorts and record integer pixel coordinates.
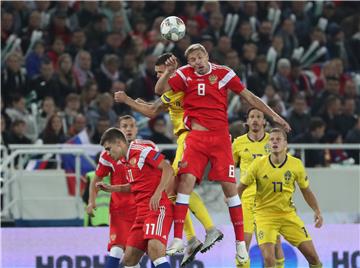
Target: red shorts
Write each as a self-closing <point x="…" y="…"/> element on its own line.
<point x="204" y="146"/>
<point x="120" y="226"/>
<point x="156" y="225"/>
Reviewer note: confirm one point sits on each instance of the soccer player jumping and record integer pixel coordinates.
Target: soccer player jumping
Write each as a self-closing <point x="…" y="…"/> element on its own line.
<point x="205" y="87"/>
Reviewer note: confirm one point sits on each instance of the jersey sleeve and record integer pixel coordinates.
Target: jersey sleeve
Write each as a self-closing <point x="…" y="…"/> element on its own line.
<point x="102" y="169"/>
<point x="177" y="81"/>
<point x="232" y="82"/>
<point x="250" y="174"/>
<point x="166" y="98"/>
<point x="149" y="156"/>
<point x="301" y="176"/>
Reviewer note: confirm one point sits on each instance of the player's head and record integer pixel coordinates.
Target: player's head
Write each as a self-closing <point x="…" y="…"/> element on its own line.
<point x="198" y="58"/>
<point x="278" y="140"/>
<point x="160" y="64"/>
<point x="114" y="142"/>
<point x="255" y="120"/>
<point x="127" y="124"/>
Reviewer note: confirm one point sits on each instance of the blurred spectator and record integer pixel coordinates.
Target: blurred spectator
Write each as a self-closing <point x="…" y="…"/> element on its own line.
<point x="77" y="126"/>
<point x="7" y="26"/>
<point x="249" y="57"/>
<point x="47" y="109"/>
<point x="82" y="68"/>
<point x="191" y="12"/>
<point x="270" y="94"/>
<point x="277" y="45"/>
<point x="57" y="48"/>
<point x="89" y="93"/>
<point x="347" y="119"/>
<point x="18" y="111"/>
<point x="135" y="11"/>
<point x="313" y="158"/>
<point x="192" y="29"/>
<point x="353" y="136"/>
<point x="260" y="78"/>
<point x="289" y="37"/>
<point x="47" y="84"/>
<point x="332" y="109"/>
<point x="237" y="129"/>
<point x="102" y="108"/>
<point x="220" y="51"/>
<point x="20" y="12"/>
<point x="34" y="59"/>
<point x="299" y="80"/>
<point x="158" y="129"/>
<point x="113" y="45"/>
<point x="72" y="108"/>
<point x="180" y="47"/>
<point x="129" y="69"/>
<point x="143" y="86"/>
<point x="242" y="36"/>
<point x="298" y="117"/>
<point x="215" y="28"/>
<point x="54" y="131"/>
<point x="120" y="108"/>
<point x="33" y="24"/>
<point x="278" y="106"/>
<point x="14" y="79"/>
<point x="43" y="8"/>
<point x="116" y="14"/>
<point x="328" y="70"/>
<point x="281" y="79"/>
<point x="58" y="28"/>
<point x="96" y="31"/>
<point x="108" y="72"/>
<point x="337" y="156"/>
<point x="5" y="135"/>
<point x="350" y="91"/>
<point x="89" y="11"/>
<point x="264" y="37"/>
<point x="78" y="42"/>
<point x="207" y="41"/>
<point x="17" y="133"/>
<point x="165" y="9"/>
<point x="65" y="74"/>
<point x="343" y="77"/>
<point x="232" y="60"/>
<point x="332" y="87"/>
<point x="102" y="124"/>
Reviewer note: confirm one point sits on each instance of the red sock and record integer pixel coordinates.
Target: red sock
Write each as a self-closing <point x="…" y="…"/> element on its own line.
<point x="179" y="219"/>
<point x="236" y="216"/>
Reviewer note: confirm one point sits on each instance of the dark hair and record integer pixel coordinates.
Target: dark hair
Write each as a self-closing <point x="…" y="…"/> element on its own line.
<point x="125" y="117"/>
<point x="251" y="109"/>
<point x="163" y="58"/>
<point x="279" y="130"/>
<point x="315" y="123"/>
<point x="111" y="135"/>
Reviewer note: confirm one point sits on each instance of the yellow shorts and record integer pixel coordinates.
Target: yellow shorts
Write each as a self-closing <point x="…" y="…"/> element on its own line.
<point x="289" y="225"/>
<point x="179" y="151"/>
<point x="248" y="216"/>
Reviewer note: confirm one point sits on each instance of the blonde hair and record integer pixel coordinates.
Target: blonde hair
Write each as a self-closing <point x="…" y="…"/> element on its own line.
<point x="194" y="47"/>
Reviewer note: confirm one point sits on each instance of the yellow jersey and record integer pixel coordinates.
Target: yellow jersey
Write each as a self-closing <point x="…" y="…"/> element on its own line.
<point x="174" y="102"/>
<point x="275" y="185"/>
<point x="245" y="150"/>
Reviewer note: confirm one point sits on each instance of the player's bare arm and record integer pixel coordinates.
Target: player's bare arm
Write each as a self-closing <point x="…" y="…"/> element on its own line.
<point x="166" y="178"/>
<point x="241" y="188"/>
<point x="148" y="109"/>
<point x="313" y="203"/>
<point x="259" y="104"/>
<point x="123" y="188"/>
<point x="162" y="84"/>
<point x="92" y="195"/>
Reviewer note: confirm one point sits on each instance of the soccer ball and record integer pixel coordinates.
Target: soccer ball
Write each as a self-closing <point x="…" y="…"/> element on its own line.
<point x="172" y="28"/>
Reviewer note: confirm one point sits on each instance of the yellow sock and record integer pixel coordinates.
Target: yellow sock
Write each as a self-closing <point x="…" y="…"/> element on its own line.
<point x="279" y="263"/>
<point x="189" y="227"/>
<point x="197" y="207"/>
<point x="316" y="265"/>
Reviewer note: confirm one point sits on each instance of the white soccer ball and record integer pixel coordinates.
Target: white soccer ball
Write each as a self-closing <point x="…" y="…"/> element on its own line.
<point x="172" y="28"/>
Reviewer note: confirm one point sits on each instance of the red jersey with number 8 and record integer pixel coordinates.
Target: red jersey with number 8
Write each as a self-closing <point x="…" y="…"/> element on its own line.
<point x="205" y="100"/>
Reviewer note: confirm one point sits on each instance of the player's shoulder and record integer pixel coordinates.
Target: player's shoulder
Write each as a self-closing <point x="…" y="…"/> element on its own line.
<point x="105" y="156"/>
<point x="241" y="139"/>
<point x="294" y="161"/>
<point x="140" y="145"/>
<point x="260" y="162"/>
<point x="185" y="69"/>
<point x="216" y="68"/>
<point x="170" y="96"/>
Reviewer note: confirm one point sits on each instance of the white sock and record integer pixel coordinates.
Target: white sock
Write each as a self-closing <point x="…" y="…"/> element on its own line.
<point x="159" y="261"/>
<point x="116" y="252"/>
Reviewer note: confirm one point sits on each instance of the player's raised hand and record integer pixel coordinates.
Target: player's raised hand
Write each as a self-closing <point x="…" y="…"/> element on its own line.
<point x="154" y="201"/>
<point x="279" y="120"/>
<point x="120" y="96"/>
<point x="171" y="64"/>
<point x="318" y="220"/>
<point x="90" y="209"/>
<point x="103" y="186"/>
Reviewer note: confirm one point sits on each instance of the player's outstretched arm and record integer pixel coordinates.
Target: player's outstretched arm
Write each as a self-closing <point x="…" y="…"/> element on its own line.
<point x="92" y="195"/>
<point x="148" y="109"/>
<point x="313" y="203"/>
<point x="259" y="104"/>
<point x="162" y="84"/>
<point x="241" y="188"/>
<point x="167" y="176"/>
<point x="123" y="188"/>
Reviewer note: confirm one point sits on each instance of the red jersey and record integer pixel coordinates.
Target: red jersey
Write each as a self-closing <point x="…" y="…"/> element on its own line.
<point x="117" y="169"/>
<point x="143" y="159"/>
<point x="205" y="100"/>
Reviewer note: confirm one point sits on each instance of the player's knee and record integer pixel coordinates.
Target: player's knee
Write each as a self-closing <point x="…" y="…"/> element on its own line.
<point x="269" y="260"/>
<point x="313" y="258"/>
<point x="129" y="260"/>
<point x="155" y="249"/>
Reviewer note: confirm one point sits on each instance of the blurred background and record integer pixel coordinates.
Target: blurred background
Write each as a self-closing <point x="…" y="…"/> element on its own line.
<point x="61" y="62"/>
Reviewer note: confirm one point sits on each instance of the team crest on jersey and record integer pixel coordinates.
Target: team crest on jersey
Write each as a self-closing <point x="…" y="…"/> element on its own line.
<point x="287" y="176"/>
<point x="132" y="161"/>
<point x="261" y="235"/>
<point x="213" y="79"/>
<point x="112" y="237"/>
<point x="267" y="148"/>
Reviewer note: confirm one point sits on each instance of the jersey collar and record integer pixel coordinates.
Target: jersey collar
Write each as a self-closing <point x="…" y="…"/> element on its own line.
<point x="281" y="165"/>
<point x="128" y="151"/>
<point x="250" y="139"/>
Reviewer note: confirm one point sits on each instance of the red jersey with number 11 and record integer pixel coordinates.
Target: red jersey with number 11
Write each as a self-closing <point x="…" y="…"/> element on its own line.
<point x="205" y="100"/>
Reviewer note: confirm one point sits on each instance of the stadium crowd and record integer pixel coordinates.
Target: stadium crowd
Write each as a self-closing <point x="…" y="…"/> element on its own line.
<point x="63" y="60"/>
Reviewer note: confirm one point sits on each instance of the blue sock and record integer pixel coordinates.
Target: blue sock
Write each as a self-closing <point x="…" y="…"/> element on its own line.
<point x="152" y="265"/>
<point x="112" y="262"/>
<point x="163" y="265"/>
